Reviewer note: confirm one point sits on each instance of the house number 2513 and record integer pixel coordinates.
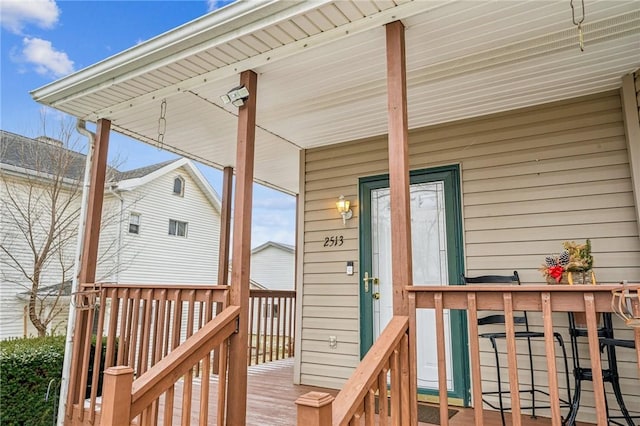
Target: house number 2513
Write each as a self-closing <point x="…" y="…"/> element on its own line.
<point x="334" y="241"/>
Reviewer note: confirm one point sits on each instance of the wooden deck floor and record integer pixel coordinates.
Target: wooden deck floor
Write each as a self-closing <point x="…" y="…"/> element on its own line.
<point x="272" y="395"/>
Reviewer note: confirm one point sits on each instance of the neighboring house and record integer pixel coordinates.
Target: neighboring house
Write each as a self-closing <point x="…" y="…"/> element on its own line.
<point x="273" y="266"/>
<point x="163" y="224"/>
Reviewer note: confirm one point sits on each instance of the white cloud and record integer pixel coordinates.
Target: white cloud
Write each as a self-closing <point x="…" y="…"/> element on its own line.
<point x="46" y="59"/>
<point x="15" y="14"/>
<point x="217" y="4"/>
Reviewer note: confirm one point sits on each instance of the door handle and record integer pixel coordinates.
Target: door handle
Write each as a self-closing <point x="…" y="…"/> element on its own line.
<point x="366" y="279"/>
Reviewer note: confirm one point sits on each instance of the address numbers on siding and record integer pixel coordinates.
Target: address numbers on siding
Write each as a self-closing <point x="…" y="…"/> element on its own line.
<point x="334" y="241"/>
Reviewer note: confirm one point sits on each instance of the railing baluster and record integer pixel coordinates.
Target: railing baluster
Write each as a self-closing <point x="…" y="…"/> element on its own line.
<point x="271" y="322"/>
<point x="550" y="351"/>
<point x="383" y="404"/>
<point x="264" y="332"/>
<point x="405" y="397"/>
<point x="474" y="348"/>
<point x="167" y="327"/>
<point x="134" y="331"/>
<point x="199" y="324"/>
<point x="370" y="408"/>
<point x="161" y="319"/>
<point x="85" y="362"/>
<point x="145" y="340"/>
<point x="514" y="384"/>
<point x="259" y="330"/>
<point x="594" y="352"/>
<point x="413" y="362"/>
<point x="278" y="328"/>
<point x="396" y="415"/>
<point x="442" y="360"/>
<point x="114" y="308"/>
<point x="188" y="379"/>
<point x="286" y="338"/>
<point x="175" y="341"/>
<point x="292" y="324"/>
<point x="252" y="307"/>
<point x="97" y="356"/>
<point x="124" y="340"/>
<point x="206" y="365"/>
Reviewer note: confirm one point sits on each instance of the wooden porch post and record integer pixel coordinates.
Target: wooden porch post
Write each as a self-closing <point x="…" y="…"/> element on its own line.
<point x="223" y="248"/>
<point x="237" y="388"/>
<point x="225" y="226"/>
<point x="402" y="272"/>
<point x="89" y="258"/>
<point x="401" y="257"/>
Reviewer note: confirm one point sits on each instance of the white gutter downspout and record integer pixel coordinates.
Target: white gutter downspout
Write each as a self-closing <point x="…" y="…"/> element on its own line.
<point x="113" y="189"/>
<point x="71" y="321"/>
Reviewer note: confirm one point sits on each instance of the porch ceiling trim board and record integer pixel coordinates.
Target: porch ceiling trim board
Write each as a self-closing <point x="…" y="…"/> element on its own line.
<point x="239" y="295"/>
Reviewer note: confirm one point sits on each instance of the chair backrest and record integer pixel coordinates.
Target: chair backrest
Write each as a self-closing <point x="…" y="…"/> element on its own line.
<point x="497" y="279"/>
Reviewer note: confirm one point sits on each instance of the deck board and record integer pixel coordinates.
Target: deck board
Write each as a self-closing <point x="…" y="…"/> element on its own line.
<point x="272" y="395"/>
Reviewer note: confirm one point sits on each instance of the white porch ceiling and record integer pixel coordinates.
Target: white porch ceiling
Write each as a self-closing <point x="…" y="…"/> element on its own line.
<point x="321" y="67"/>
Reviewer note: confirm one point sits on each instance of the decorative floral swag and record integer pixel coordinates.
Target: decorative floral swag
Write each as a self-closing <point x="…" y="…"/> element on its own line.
<point x="575" y="258"/>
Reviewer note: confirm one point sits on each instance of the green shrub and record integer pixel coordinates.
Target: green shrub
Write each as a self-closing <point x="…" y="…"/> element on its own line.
<point x="27" y="366"/>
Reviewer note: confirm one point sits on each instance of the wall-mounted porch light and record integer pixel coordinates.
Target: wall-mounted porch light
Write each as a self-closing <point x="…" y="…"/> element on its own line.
<point x="236" y="96"/>
<point x="343" y="209"/>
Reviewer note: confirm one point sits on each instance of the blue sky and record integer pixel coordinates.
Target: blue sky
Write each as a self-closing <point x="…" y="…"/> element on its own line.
<point x="43" y="40"/>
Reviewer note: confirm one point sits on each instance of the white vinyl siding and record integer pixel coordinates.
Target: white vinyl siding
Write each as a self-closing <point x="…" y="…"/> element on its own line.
<point x="12" y="282"/>
<point x="154" y="256"/>
<point x="531" y="179"/>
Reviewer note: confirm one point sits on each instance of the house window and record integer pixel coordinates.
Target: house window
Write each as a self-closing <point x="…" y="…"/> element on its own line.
<point x="178" y="186"/>
<point x="134" y="223"/>
<point x="271" y="310"/>
<point x="177" y="228"/>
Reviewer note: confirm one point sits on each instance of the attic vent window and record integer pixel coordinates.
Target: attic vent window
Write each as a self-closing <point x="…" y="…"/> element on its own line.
<point x="178" y="186"/>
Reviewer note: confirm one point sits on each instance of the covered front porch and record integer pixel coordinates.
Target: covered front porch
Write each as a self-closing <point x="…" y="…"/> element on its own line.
<point x="500" y="97"/>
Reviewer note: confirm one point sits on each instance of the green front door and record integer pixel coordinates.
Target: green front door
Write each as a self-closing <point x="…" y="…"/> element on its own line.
<point x="437" y="260"/>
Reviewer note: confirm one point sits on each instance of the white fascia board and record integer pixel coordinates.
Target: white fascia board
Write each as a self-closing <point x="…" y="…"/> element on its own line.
<point x="218" y="27"/>
<point x="273" y="244"/>
<point x="130" y="184"/>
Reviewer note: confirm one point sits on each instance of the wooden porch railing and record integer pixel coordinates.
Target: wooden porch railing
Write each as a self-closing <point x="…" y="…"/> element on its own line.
<point x="137" y="326"/>
<point x="272" y="316"/>
<point x="542" y="298"/>
<point x="386" y="367"/>
<point x="125" y="399"/>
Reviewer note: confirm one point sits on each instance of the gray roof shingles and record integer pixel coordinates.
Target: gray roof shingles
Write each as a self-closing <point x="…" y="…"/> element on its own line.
<point x="40" y="156"/>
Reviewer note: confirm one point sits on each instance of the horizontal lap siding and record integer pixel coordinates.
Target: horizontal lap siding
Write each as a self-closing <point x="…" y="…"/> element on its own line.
<point x="154" y="256"/>
<point x="531" y="178"/>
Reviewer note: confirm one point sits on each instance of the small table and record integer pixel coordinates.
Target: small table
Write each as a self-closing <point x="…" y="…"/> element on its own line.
<point x="609" y="374"/>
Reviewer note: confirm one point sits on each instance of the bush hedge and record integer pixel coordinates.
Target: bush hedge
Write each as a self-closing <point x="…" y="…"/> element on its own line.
<point x="27" y="366"/>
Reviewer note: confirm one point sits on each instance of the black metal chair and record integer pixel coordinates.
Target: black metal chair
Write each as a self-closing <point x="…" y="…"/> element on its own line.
<point x="521" y="320"/>
<point x="608" y="344"/>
